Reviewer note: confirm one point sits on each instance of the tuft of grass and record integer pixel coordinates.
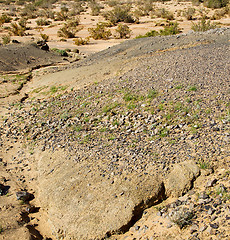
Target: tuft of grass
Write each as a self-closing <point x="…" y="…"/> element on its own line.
<point x="110" y="107"/>
<point x="152" y="94"/>
<point x="192" y="88"/>
<point x="130" y="97"/>
<point x="182" y="218"/>
<point x="163" y="132"/>
<point x="204" y="164"/>
<point x="179" y="87"/>
<point x="53" y="89"/>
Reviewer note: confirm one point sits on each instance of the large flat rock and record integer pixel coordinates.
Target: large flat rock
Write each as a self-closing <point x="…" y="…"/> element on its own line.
<point x="82" y="204"/>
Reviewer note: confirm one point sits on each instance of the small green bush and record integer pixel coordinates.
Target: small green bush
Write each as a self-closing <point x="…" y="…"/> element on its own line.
<point x="203" y="25"/>
<point x="182" y="217"/>
<point x="171" y="29"/>
<point x="130" y="97"/>
<point x="123" y="31"/>
<point x="59" y="52"/>
<point x="100" y="32"/>
<point x="152" y="93"/>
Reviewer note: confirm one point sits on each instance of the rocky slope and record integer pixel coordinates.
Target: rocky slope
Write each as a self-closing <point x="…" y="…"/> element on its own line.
<point x="100" y="157"/>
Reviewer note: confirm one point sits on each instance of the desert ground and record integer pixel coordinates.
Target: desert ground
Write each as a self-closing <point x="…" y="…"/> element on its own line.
<point x="47" y="18"/>
<point x="121" y="137"/>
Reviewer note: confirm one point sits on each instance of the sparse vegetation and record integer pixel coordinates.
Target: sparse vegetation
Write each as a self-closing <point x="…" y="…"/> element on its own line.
<point x="189" y="13"/>
<point x="95" y="8"/>
<point x="43" y="22"/>
<point x="152" y="94"/>
<point x="100" y="32"/>
<point x="17" y="30"/>
<point x="81" y="41"/>
<point x="215" y="3"/>
<point x="60" y="52"/>
<point x="5" y="19"/>
<point x="69" y="29"/>
<point x="44" y="37"/>
<point x="119" y="14"/>
<point x="163" y="13"/>
<point x="123" y="31"/>
<point x="204" y="164"/>
<point x="6" y="39"/>
<point x="171" y="29"/>
<point x="203" y="25"/>
<point x="182" y="217"/>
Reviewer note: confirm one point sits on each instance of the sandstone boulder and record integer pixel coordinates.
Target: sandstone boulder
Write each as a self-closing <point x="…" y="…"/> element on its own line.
<point x="181" y="178"/>
<point x="82" y="203"/>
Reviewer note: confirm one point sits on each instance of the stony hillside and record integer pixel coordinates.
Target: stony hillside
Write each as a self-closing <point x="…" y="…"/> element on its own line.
<point x="111" y="158"/>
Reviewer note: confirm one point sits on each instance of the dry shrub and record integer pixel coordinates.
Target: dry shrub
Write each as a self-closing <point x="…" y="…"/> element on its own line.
<point x="216" y="3"/>
<point x="62" y="15"/>
<point x="6" y="39"/>
<point x="188" y="13"/>
<point x="43" y="22"/>
<point x="70" y="28"/>
<point x="163" y="13"/>
<point x="144" y="8"/>
<point x="120" y="14"/>
<point x="29" y="11"/>
<point x="123" y="31"/>
<point x="203" y="25"/>
<point x="95" y="8"/>
<point x="17" y="30"/>
<point x="44" y="37"/>
<point x="81" y="41"/>
<point x="220" y="13"/>
<point x="100" y="32"/>
<point x="5" y="19"/>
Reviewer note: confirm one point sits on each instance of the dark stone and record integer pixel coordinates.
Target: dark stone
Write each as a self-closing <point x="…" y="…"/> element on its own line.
<point x="24" y="196"/>
<point x="214" y="225"/>
<point x="137" y="228"/>
<point x="15" y="41"/>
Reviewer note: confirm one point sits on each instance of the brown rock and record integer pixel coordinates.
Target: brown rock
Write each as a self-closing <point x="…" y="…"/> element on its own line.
<point x="180" y="180"/>
<point x="83" y="205"/>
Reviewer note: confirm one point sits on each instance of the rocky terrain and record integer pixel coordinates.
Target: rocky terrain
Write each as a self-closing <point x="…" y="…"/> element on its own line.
<point x="136" y="147"/>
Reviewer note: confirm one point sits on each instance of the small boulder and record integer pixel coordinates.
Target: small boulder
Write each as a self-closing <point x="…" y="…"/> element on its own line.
<point x="180" y="180"/>
<point x="23" y="196"/>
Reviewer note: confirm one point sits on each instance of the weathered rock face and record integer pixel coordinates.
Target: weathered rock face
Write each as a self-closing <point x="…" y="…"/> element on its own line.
<point x="181" y="178"/>
<point x="82" y="204"/>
